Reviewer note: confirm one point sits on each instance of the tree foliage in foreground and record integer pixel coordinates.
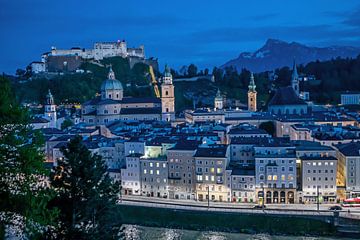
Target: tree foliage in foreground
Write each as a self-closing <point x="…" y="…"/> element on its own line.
<point x="86" y="194"/>
<point x="24" y="187"/>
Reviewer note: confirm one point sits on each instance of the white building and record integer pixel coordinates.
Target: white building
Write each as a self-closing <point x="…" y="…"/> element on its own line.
<point x="348" y="172"/>
<point x="350" y="98"/>
<point x="38" y="67"/>
<point x="275" y="171"/>
<point x="319" y="179"/>
<point x="243" y="185"/>
<point x="130" y="175"/>
<point x="154" y="177"/>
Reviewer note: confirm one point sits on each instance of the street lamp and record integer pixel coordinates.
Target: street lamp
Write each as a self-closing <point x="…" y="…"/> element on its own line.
<point x="318" y="200"/>
<point x="208" y="188"/>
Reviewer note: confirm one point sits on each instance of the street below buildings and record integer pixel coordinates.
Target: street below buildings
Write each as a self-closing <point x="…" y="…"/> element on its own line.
<point x="286" y="209"/>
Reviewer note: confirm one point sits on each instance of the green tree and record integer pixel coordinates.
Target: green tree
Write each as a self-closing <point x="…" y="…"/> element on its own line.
<point x="24" y="191"/>
<point x="86" y="195"/>
<point x="192" y="70"/>
<point x="67" y="123"/>
<point x="269" y="127"/>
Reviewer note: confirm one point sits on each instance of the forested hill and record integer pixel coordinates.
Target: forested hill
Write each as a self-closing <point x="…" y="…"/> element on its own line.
<point x="79" y="87"/>
<point x="335" y="76"/>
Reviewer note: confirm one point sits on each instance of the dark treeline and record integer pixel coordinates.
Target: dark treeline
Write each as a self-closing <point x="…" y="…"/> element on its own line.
<point x="334" y="76"/>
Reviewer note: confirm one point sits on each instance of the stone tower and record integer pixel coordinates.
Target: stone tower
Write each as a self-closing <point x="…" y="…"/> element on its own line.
<point x="295" y="79"/>
<point x="252" y="94"/>
<point x="50" y="110"/>
<point x="167" y="96"/>
<point x="219" y="101"/>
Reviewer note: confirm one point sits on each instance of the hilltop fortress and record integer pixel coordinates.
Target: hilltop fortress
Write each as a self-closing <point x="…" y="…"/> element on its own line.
<point x="69" y="60"/>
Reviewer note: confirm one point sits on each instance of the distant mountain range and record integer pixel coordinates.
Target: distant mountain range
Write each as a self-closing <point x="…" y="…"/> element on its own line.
<point x="276" y="53"/>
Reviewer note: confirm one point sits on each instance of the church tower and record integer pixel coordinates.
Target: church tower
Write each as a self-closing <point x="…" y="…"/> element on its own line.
<point x="252" y="94"/>
<point x="295" y="80"/>
<point x="219" y="101"/>
<point x="167" y="96"/>
<point x="50" y="110"/>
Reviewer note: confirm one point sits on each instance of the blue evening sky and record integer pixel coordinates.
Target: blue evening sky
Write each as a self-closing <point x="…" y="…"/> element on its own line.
<point x="204" y="32"/>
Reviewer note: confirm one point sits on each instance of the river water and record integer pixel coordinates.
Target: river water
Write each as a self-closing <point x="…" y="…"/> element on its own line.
<point x="134" y="232"/>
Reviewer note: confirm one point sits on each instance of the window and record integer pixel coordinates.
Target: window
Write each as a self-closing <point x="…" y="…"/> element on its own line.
<point x="145" y="171"/>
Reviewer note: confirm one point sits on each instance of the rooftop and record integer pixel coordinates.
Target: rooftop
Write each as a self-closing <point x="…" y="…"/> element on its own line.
<point x="217" y="151"/>
<point x="286" y="96"/>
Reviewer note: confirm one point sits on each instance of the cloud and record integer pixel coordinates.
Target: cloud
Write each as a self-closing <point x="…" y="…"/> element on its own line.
<point x="353" y="19"/>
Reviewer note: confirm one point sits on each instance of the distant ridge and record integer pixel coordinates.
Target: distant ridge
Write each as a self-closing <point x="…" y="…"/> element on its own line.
<point x="276" y="53"/>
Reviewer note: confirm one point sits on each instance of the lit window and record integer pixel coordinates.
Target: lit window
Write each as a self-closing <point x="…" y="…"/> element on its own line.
<point x="151" y="172"/>
<point x="275" y="177"/>
<point x="269" y="177"/>
<point x="157" y="172"/>
<point x="151" y="164"/>
<point x="145" y="171"/>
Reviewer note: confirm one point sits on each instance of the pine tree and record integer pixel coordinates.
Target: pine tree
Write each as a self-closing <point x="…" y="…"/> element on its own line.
<point x="24" y="187"/>
<point x="86" y="194"/>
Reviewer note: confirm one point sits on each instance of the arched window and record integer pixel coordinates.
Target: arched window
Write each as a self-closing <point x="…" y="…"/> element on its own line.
<point x="166" y="93"/>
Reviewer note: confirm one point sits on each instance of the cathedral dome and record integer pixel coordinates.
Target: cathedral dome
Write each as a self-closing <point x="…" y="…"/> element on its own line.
<point x="111" y="83"/>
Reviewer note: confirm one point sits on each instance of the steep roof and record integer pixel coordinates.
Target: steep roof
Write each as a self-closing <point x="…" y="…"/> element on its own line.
<point x="140" y="111"/>
<point x="286" y="96"/>
<point x="140" y="100"/>
<point x="349" y="149"/>
<point x="218" y="151"/>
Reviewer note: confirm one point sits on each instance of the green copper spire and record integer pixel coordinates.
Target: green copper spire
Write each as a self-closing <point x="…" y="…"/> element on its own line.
<point x="218" y="94"/>
<point x="167" y="71"/>
<point x="295" y="75"/>
<point x="252" y="85"/>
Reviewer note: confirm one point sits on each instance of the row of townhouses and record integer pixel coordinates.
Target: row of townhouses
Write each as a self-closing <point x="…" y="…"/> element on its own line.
<point x="295" y="152"/>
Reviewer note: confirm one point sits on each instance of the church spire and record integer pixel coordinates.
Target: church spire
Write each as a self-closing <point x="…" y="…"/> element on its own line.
<point x="294" y="72"/>
<point x="111" y="74"/>
<point x="252" y="95"/>
<point x="295" y="79"/>
<point x="252" y="85"/>
<point x="49" y="98"/>
<point x="167" y="75"/>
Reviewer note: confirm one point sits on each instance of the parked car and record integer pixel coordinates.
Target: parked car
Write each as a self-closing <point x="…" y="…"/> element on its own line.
<point x="259" y="207"/>
<point x="335" y="208"/>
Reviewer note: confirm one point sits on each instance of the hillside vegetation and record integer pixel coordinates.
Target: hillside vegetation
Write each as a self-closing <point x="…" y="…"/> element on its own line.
<point x="81" y="87"/>
<point x="334" y="76"/>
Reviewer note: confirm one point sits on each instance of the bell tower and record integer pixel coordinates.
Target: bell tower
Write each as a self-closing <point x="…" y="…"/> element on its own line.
<point x="167" y="96"/>
<point x="50" y="110"/>
<point x="252" y="94"/>
<point x="219" y="101"/>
